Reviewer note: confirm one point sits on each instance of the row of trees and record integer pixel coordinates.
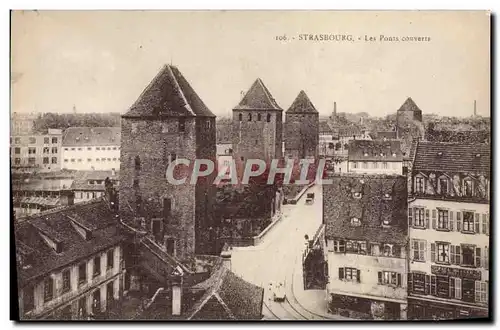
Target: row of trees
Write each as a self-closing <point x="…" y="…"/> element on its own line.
<point x="65" y="120"/>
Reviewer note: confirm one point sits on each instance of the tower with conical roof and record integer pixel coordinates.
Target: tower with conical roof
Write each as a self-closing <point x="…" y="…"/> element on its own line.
<point x="168" y="121"/>
<point x="257" y="125"/>
<point x="301" y="129"/>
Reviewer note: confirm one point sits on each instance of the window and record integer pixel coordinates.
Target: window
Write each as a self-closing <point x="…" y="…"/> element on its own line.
<point x="468" y="191"/>
<point x="32" y="140"/>
<point x="339" y="246"/>
<point x="455" y="288"/>
<point x="46" y="150"/>
<point x="66" y="277"/>
<point x="109" y="291"/>
<point x="54" y="150"/>
<point x="79" y="149"/>
<point x="79" y="160"/>
<point x="109" y="159"/>
<point x="89" y="159"/>
<point x="389" y="278"/>
<point x="365" y="165"/>
<point x="249" y="117"/>
<point x="374" y="249"/>
<point x="103" y="159"/>
<point x="82" y="307"/>
<point x="443" y="220"/>
<point x="29" y="298"/>
<point x="443" y="252"/>
<point x="31" y="150"/>
<point x="389" y="250"/>
<point x="375" y="165"/>
<point x="384" y="165"/>
<point x="114" y="148"/>
<point x="167" y="209"/>
<point x="240" y="117"/>
<point x="97" y="159"/>
<point x="31" y="160"/>
<point x="419" y="248"/>
<point x="419" y="218"/>
<point x="356" y="247"/>
<point x="443" y="186"/>
<point x="45" y="160"/>
<point x="468" y="222"/>
<point x="137" y="163"/>
<point x="419" y="184"/>
<point x="17" y="140"/>
<point x="96" y="301"/>
<point x="171" y="246"/>
<point x="97" y="266"/>
<point x="355" y="222"/>
<point x="72" y="149"/>
<point x="72" y="160"/>
<point x="17" y="161"/>
<point x="65" y="160"/>
<point x="54" y="160"/>
<point x="134" y="128"/>
<point x="268" y="117"/>
<point x="111" y="259"/>
<point x="182" y="124"/>
<point x="485" y="224"/>
<point x="98" y="148"/>
<point x="82" y="273"/>
<point x="171" y="157"/>
<point x="259" y="117"/>
<point x="17" y="150"/>
<point x="54" y="140"/>
<point x="349" y="274"/>
<point x="48" y="289"/>
<point x="468" y="255"/>
<point x="354" y="164"/>
<point x="114" y="159"/>
<point x="481" y="292"/>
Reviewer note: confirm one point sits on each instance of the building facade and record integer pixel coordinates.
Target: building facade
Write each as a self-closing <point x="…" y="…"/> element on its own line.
<point x="36" y="153"/>
<point x="69" y="262"/>
<point x="375" y="157"/>
<point x="22" y="123"/>
<point x="224" y="157"/>
<point x="407" y="113"/>
<point x="91" y="148"/>
<point x="302" y="129"/>
<point x="366" y="239"/>
<point x="167" y="122"/>
<point x="257" y="125"/>
<point x="91" y="184"/>
<point x="449" y="231"/>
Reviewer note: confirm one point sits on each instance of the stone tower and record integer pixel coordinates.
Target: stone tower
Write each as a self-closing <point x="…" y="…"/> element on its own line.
<point x="257" y="125"/>
<point x="301" y="129"/>
<point x="168" y="121"/>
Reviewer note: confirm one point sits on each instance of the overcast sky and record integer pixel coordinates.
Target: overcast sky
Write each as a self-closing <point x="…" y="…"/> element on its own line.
<point x="101" y="61"/>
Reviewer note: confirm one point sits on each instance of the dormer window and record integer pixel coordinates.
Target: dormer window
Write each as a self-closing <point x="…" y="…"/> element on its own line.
<point x="468" y="187"/>
<point x="366" y="154"/>
<point x="356" y="195"/>
<point x="249" y="117"/>
<point x="478" y="155"/>
<point x="388" y="250"/>
<point x="439" y="154"/>
<point x="386" y="222"/>
<point x="387" y="196"/>
<point x="393" y="154"/>
<point x="355" y="222"/>
<point x="443" y="185"/>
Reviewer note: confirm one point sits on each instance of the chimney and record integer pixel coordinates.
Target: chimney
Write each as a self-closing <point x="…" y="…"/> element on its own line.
<point x="226" y="259"/>
<point x="177" y="277"/>
<point x="335" y="109"/>
<point x="113" y="172"/>
<point x="242" y="94"/>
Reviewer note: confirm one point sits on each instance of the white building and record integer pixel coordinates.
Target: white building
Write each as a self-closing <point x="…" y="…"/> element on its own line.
<point x="366" y="234"/>
<point x="449" y="231"/>
<point x="224" y="157"/>
<point x="91" y="148"/>
<point x="375" y="157"/>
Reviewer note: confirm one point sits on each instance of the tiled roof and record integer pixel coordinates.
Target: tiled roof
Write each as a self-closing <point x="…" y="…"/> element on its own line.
<point x="42" y="185"/>
<point x="57" y="225"/>
<point x="324" y="127"/>
<point x="168" y="94"/>
<point x="82" y="179"/>
<point x="232" y="296"/>
<point x="372" y="208"/>
<point x="91" y="136"/>
<point x="302" y="104"/>
<point x="258" y="97"/>
<point x="43" y="201"/>
<point x="375" y="150"/>
<point x="452" y="157"/>
<point x="409" y="105"/>
<point x="386" y="135"/>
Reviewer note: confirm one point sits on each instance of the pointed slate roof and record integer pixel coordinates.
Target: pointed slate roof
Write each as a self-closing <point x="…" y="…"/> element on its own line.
<point x="258" y="97"/>
<point x="409" y="105"/>
<point x="168" y="94"/>
<point x="302" y="104"/>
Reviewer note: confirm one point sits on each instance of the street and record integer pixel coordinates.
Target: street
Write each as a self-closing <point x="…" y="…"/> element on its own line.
<point x="278" y="259"/>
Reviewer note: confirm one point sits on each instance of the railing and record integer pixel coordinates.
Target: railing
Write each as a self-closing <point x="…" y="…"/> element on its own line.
<point x="152" y="300"/>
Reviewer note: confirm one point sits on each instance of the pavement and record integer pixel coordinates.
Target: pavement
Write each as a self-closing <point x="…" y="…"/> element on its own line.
<point x="278" y="259"/>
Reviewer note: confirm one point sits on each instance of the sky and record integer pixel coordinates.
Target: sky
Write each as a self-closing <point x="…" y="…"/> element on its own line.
<point x="102" y="61"/>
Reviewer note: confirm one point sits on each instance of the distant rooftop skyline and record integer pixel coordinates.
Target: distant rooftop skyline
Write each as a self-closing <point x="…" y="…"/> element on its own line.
<point x="102" y="61"/>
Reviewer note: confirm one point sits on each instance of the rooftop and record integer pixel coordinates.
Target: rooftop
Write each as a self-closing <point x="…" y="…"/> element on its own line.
<point x="452" y="157"/>
<point x="409" y="105"/>
<point x="258" y="97"/>
<point x="91" y="136"/>
<point x="302" y="104"/>
<point x="375" y="150"/>
<point x="169" y="94"/>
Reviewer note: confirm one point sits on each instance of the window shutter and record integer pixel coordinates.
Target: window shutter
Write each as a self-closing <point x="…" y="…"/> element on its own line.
<point x="478" y="257"/>
<point x="477" y="290"/>
<point x="359" y="275"/>
<point x="427" y="284"/>
<point x="476" y="223"/>
<point x="486" y="258"/>
<point x="485" y="224"/>
<point x="433" y="285"/>
<point x="452" y="255"/>
<point x="458" y="257"/>
<point x="410" y="282"/>
<point x="459" y="221"/>
<point x="458" y="288"/>
<point x="433" y="219"/>
<point x="379" y="277"/>
<point x="410" y="216"/>
<point x="427" y="219"/>
<point x="398" y="279"/>
<point x="451" y="220"/>
<point x="433" y="252"/>
<point x="341" y="273"/>
<point x="452" y="287"/>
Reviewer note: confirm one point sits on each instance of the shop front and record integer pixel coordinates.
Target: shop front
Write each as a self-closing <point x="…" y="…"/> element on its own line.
<point x="430" y="310"/>
<point x="363" y="308"/>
